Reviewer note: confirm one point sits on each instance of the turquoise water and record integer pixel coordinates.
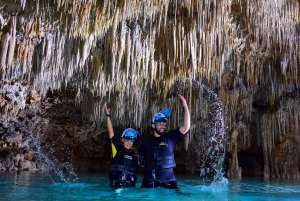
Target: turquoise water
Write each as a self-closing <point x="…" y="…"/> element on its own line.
<point x="25" y="185"/>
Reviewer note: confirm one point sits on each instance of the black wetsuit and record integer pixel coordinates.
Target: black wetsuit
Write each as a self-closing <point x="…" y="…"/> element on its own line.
<point x="159" y="166"/>
<point x="123" y="167"/>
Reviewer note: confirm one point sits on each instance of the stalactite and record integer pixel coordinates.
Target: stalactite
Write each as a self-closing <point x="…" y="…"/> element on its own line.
<point x="12" y="41"/>
<point x="215" y="27"/>
<point x="234" y="170"/>
<point x="281" y="139"/>
<point x="5" y="46"/>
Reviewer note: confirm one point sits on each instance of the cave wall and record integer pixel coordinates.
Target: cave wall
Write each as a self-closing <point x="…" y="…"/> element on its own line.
<point x="62" y="60"/>
<point x="52" y="134"/>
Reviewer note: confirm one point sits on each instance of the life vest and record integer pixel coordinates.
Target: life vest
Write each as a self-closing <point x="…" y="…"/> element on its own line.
<point x="124" y="162"/>
<point x="160" y="157"/>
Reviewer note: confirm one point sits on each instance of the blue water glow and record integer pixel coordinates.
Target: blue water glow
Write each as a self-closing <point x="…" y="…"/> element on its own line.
<point x="41" y="186"/>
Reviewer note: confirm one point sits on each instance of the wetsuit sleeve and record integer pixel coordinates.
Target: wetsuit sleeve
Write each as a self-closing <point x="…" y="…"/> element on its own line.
<point x="175" y="135"/>
<point x="114" y="146"/>
<point x="172" y="137"/>
<point x="142" y="152"/>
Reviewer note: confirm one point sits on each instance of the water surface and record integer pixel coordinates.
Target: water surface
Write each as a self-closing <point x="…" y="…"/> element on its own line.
<point x="39" y="186"/>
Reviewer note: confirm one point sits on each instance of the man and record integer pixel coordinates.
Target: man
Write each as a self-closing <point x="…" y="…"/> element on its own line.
<point x="156" y="151"/>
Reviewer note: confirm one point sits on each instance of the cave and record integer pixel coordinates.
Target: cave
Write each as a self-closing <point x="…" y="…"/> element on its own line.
<point x="235" y="61"/>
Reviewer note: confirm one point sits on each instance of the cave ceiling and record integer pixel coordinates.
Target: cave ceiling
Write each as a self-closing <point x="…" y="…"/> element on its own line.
<point x="137" y="55"/>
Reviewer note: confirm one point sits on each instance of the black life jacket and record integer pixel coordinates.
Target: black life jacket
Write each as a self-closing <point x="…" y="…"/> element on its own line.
<point x="125" y="162"/>
<point x="160" y="157"/>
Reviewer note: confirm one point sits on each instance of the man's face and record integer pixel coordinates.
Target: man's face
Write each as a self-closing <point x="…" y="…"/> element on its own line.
<point x="161" y="127"/>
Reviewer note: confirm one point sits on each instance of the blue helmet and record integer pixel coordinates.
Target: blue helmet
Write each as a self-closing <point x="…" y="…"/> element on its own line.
<point x="130" y="134"/>
<point x="161" y="117"/>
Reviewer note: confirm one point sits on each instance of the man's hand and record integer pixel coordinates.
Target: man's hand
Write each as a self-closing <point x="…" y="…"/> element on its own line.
<point x="183" y="101"/>
<point x="187" y="121"/>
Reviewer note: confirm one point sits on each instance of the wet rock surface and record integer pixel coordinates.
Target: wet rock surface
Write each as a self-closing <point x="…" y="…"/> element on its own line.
<point x="52" y="132"/>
